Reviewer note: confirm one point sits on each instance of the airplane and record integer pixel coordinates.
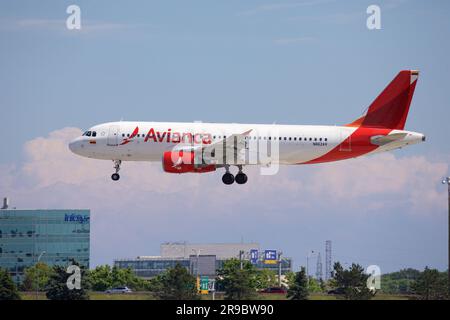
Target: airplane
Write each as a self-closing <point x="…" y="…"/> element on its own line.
<point x="204" y="147"/>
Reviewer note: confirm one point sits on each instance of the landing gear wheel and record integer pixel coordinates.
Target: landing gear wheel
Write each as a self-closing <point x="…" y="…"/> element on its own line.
<point x="228" y="178"/>
<point x="241" y="178"/>
<point x="115" y="176"/>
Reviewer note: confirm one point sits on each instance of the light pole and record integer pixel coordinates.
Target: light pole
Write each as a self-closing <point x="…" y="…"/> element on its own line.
<point x="279" y="268"/>
<point x="241" y="255"/>
<point x="37" y="273"/>
<point x="197" y="253"/>
<point x="307" y="264"/>
<point x="447" y="182"/>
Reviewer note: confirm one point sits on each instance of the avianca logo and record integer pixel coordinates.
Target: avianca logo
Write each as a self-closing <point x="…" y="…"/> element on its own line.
<point x="171" y="136"/>
<point x="128" y="139"/>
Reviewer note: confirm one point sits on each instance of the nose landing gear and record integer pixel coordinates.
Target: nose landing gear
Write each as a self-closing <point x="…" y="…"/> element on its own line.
<point x="116" y="176"/>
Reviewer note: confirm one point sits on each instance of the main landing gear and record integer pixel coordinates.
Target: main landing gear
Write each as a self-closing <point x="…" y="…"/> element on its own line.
<point x="116" y="176"/>
<point x="228" y="178"/>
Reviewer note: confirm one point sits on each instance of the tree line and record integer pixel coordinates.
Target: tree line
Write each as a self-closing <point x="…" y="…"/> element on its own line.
<point x="238" y="281"/>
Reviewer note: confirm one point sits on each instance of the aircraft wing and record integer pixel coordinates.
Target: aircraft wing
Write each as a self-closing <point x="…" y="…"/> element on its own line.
<point x="233" y="145"/>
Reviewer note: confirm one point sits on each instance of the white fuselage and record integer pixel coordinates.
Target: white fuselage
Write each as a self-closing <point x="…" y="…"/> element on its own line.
<point x="297" y="144"/>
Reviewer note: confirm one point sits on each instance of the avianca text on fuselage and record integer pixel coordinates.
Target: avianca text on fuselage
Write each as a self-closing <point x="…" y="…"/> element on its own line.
<point x="170" y="136"/>
<point x="205" y="147"/>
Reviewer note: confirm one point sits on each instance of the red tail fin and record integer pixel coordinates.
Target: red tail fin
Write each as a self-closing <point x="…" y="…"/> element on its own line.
<point x="390" y="109"/>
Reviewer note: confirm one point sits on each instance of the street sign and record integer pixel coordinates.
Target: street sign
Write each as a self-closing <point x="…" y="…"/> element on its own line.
<point x="212" y="285"/>
<point x="270" y="257"/>
<point x="254" y="256"/>
<point x="204" y="285"/>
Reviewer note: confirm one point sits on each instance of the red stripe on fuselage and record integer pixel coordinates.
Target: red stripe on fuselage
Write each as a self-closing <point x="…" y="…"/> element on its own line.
<point x="357" y="144"/>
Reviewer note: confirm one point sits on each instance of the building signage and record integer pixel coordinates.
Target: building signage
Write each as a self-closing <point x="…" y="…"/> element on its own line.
<point x="270" y="256"/>
<point x="254" y="256"/>
<point x="204" y="285"/>
<point x="76" y="218"/>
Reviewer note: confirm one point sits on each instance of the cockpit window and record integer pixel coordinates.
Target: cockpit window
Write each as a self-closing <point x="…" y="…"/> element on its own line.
<point x="88" y="134"/>
<point x="94" y="133"/>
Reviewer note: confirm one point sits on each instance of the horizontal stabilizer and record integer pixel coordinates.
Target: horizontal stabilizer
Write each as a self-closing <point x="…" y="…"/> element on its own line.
<point x="383" y="140"/>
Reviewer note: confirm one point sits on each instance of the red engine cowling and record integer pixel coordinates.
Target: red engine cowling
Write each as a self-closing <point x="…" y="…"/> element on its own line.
<point x="183" y="162"/>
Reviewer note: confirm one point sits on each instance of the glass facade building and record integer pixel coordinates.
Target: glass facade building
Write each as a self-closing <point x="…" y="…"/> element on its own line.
<point x="149" y="267"/>
<point x="56" y="236"/>
<point x="210" y="259"/>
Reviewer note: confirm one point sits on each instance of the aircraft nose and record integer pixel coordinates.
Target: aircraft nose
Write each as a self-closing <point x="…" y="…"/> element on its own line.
<point x="74" y="146"/>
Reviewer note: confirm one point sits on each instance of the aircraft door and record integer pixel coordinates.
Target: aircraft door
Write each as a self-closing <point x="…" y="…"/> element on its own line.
<point x="113" y="136"/>
<point x="346" y="138"/>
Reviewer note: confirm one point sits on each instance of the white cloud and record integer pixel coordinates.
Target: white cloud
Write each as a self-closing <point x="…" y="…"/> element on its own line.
<point x="52" y="174"/>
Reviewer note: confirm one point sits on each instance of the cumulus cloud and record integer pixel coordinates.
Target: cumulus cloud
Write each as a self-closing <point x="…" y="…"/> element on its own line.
<point x="376" y="182"/>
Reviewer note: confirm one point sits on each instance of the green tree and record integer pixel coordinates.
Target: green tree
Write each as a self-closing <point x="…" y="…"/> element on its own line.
<point x="126" y="277"/>
<point x="100" y="278"/>
<point x="36" y="277"/>
<point x="266" y="278"/>
<point x="57" y="288"/>
<point x="431" y="285"/>
<point x="353" y="282"/>
<point x="298" y="286"/>
<point x="8" y="289"/>
<point x="238" y="284"/>
<point x="104" y="277"/>
<point x="399" y="282"/>
<point x="177" y="284"/>
<point x="315" y="286"/>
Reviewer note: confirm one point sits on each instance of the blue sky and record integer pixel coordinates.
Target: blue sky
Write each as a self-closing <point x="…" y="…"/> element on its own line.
<point x="294" y="62"/>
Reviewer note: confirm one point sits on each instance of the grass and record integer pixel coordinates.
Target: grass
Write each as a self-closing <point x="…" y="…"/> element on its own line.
<point x="218" y="296"/>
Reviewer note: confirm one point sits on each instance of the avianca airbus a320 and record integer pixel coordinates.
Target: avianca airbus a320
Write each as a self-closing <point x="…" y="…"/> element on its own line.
<point x="204" y="147"/>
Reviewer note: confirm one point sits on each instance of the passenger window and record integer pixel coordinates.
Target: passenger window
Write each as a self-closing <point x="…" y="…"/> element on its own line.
<point x="326" y="139"/>
<point x="320" y="139"/>
<point x="310" y="139"/>
<point x="290" y="138"/>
